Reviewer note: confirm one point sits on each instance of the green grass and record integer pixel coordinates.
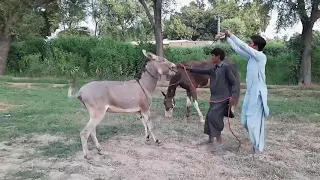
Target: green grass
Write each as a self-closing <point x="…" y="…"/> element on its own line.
<point x="28" y="174"/>
<point x="59" y="149"/>
<point x="44" y="110"/>
<point x="47" y="110"/>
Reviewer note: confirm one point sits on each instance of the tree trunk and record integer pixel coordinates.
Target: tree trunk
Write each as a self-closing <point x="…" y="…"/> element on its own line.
<point x="156" y="24"/>
<point x="158" y="31"/>
<point x="158" y="27"/>
<point x="5" y="43"/>
<point x="305" y="68"/>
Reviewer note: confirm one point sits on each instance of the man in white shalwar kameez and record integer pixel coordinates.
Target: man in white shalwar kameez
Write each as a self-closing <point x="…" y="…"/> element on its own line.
<point x="255" y="108"/>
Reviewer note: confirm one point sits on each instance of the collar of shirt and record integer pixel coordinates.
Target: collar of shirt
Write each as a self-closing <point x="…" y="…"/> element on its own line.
<point x="219" y="65"/>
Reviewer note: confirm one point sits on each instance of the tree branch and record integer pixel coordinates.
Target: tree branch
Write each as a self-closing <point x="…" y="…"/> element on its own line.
<point x="315" y="12"/>
<point x="301" y="10"/>
<point x="150" y="17"/>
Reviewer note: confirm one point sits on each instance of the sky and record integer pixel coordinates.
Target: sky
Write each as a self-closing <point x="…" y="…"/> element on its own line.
<point x="270" y="32"/>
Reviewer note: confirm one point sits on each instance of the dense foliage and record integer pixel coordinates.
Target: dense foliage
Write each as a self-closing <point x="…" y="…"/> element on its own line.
<point x="106" y="58"/>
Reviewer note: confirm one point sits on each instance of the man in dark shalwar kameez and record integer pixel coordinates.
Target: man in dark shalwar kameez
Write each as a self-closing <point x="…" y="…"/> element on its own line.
<point x="223" y="84"/>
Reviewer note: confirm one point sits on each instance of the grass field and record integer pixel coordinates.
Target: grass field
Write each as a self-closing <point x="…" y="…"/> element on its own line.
<point x="40" y="128"/>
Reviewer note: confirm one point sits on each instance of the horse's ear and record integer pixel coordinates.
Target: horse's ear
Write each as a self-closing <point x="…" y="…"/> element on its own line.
<point x="163" y="94"/>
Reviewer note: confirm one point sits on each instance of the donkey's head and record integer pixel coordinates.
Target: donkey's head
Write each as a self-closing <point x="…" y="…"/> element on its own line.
<point x="169" y="104"/>
<point x="161" y="64"/>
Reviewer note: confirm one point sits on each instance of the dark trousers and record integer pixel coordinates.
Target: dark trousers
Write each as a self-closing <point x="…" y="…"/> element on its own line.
<point x="214" y="120"/>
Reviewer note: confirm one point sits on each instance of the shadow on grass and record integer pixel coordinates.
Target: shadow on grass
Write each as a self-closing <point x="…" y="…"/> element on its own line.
<point x="62" y="149"/>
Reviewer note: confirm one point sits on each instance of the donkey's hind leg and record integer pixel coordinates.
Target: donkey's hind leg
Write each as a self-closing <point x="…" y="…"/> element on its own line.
<point x="147" y="137"/>
<point x="96" y="115"/>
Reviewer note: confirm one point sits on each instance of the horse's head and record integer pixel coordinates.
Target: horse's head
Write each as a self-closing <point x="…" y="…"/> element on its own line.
<point x="169" y="105"/>
<point x="162" y="65"/>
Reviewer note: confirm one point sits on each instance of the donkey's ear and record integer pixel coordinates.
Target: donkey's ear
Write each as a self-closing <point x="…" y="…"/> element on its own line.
<point x="145" y="53"/>
<point x="149" y="54"/>
<point x="163" y="94"/>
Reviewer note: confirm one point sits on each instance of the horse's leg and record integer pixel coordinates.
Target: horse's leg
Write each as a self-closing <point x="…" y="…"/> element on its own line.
<point x="188" y="104"/>
<point x="145" y="127"/>
<point x="146" y="115"/>
<point x="196" y="105"/>
<point x="96" y="115"/>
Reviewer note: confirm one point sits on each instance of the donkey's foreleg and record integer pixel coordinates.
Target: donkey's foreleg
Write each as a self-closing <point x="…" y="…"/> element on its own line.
<point x="145" y="128"/>
<point x="147" y="119"/>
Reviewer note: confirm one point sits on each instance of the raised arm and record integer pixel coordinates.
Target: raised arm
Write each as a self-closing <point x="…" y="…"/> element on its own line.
<point x="245" y="47"/>
<point x="237" y="49"/>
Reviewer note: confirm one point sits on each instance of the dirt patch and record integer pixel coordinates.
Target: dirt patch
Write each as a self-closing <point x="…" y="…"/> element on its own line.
<point x="58" y="85"/>
<point x="21" y="85"/>
<point x="45" y="138"/>
<point x="25" y="78"/>
<point x="180" y="157"/>
<point x="34" y="85"/>
<point x="6" y="107"/>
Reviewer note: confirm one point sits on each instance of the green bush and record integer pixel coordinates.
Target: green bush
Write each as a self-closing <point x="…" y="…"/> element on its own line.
<point x="107" y="58"/>
<point x="17" y="63"/>
<point x="178" y="55"/>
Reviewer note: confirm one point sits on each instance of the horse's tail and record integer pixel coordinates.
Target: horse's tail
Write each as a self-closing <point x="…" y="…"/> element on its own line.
<point x="71" y="88"/>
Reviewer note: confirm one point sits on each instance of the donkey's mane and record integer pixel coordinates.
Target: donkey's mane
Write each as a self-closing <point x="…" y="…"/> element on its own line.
<point x="143" y="69"/>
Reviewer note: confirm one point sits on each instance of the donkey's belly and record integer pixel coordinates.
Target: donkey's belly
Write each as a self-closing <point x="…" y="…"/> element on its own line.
<point x="115" y="109"/>
<point x="124" y="103"/>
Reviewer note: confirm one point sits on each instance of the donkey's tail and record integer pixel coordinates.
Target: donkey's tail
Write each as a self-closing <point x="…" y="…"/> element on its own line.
<point x="71" y="88"/>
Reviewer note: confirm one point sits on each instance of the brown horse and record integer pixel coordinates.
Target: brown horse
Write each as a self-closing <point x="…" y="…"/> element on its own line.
<point x="133" y="96"/>
<point x="198" y="80"/>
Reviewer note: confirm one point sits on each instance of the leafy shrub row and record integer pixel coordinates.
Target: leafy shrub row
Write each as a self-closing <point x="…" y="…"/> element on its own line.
<point x="106" y="58"/>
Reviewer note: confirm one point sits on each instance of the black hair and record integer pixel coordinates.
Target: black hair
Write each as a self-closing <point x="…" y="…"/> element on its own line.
<point x="137" y="76"/>
<point x="218" y="52"/>
<point x="259" y="41"/>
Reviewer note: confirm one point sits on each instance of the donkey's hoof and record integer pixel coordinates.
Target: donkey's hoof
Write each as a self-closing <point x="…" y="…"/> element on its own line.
<point x="147" y="141"/>
<point x="100" y="152"/>
<point x="148" y="138"/>
<point x="158" y="142"/>
<point x="87" y="157"/>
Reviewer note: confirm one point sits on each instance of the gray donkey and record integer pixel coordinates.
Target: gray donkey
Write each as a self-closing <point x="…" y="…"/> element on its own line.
<point x="133" y="96"/>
